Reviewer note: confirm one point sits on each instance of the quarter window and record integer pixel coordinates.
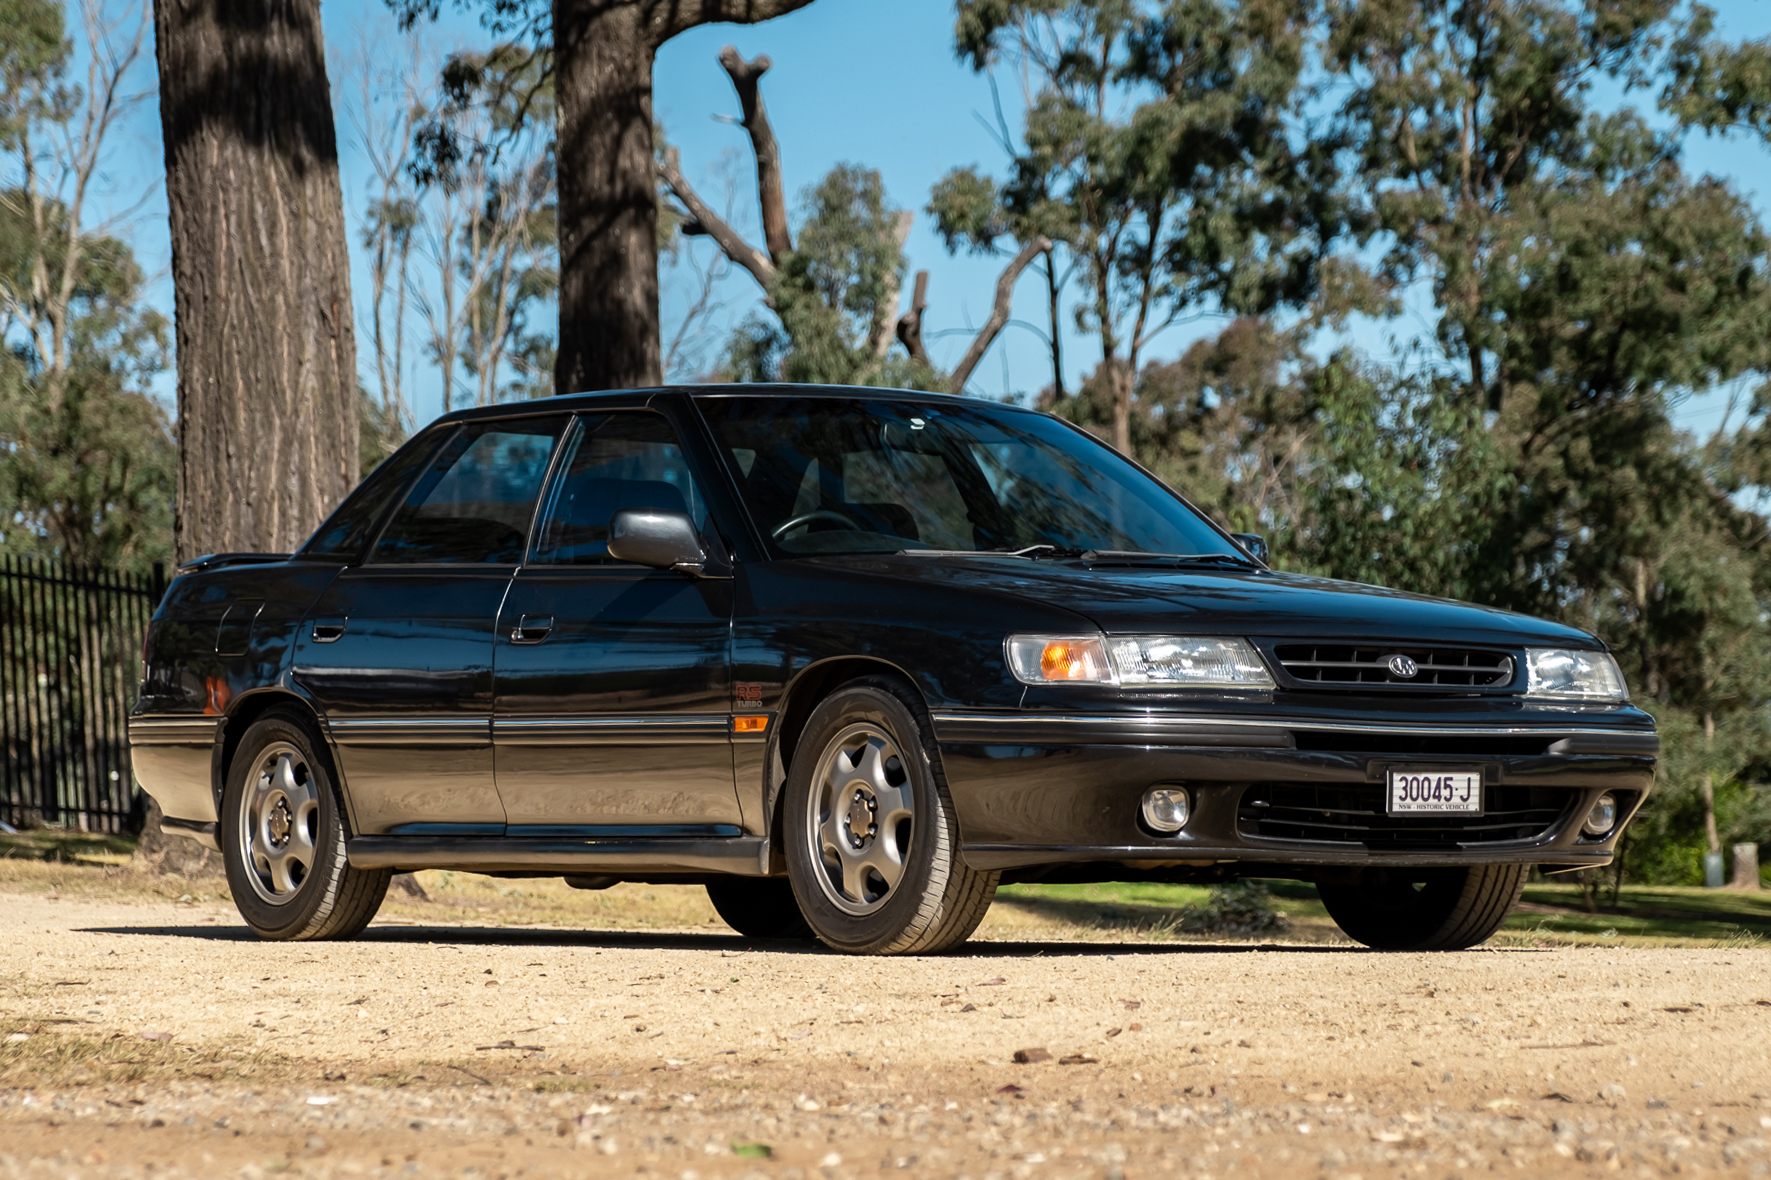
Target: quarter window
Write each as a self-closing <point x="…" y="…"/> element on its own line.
<point x="475" y="502"/>
<point x="614" y="461"/>
<point x="348" y="530"/>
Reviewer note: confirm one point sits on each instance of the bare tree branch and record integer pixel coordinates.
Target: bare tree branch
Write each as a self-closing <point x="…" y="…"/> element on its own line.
<point x="664" y="19"/>
<point x="1005" y="291"/>
<point x="879" y="337"/>
<point x="910" y="323"/>
<point x="745" y="78"/>
<point x="723" y="235"/>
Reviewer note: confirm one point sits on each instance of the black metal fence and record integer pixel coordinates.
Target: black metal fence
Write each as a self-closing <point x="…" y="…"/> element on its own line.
<point x="70" y="660"/>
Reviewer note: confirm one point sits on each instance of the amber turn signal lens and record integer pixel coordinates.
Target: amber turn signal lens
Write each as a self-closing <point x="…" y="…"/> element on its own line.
<point x="750" y="724"/>
<point x="1059" y="659"/>
<point x="1067" y="660"/>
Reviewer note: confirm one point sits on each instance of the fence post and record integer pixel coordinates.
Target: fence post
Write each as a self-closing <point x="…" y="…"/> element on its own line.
<point x="1746" y="867"/>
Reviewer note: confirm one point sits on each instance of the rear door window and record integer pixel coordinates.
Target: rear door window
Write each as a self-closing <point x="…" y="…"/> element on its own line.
<point x="475" y="503"/>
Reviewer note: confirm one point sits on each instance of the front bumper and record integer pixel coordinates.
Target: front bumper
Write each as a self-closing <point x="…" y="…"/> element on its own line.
<point x="1042" y="789"/>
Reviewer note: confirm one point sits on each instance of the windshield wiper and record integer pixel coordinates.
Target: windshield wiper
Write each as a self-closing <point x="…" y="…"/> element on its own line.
<point x="1132" y="557"/>
<point x="1030" y="552"/>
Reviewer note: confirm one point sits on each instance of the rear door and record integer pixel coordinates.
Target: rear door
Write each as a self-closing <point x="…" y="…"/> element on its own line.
<point x="398" y="652"/>
<point x="613" y="681"/>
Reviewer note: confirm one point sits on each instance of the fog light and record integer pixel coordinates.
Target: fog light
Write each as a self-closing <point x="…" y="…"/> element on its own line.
<point x="1166" y="808"/>
<point x="1603" y="817"/>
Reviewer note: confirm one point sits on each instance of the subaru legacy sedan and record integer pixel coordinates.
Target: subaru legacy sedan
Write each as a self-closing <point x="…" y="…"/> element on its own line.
<point x="850" y="659"/>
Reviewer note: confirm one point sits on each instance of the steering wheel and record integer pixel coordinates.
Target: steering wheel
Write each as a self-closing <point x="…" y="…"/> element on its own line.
<point x="806" y="518"/>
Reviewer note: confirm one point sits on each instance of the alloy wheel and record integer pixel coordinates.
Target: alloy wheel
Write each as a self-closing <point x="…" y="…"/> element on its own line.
<point x="279" y="823"/>
<point x="861" y="818"/>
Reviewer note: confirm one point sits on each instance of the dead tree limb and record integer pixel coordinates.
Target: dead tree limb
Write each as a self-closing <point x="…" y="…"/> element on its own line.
<point x="745" y="77"/>
<point x="910" y="323"/>
<point x="1005" y="291"/>
<point x="723" y="235"/>
<point x="879" y="337"/>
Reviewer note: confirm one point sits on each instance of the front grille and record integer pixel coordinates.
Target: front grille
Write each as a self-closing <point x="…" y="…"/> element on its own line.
<point x="1354" y="813"/>
<point x="1435" y="667"/>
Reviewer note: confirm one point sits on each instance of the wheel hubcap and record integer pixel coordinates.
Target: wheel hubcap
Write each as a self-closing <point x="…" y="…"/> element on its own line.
<point x="279" y="824"/>
<point x="861" y="818"/>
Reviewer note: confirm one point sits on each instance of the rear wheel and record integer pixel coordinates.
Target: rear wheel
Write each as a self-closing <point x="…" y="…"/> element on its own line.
<point x="758" y="907"/>
<point x="282" y="838"/>
<point x="872" y="843"/>
<point x="1424" y="909"/>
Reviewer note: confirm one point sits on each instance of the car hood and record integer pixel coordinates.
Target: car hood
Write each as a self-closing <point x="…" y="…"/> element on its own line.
<point x="1264" y="603"/>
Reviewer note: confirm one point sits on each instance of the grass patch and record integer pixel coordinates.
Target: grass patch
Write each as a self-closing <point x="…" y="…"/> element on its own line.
<point x="51" y="1058"/>
<point x="1552" y="913"/>
<point x="80" y="864"/>
<point x="1146" y="910"/>
<point x="65" y="846"/>
<point x="1645" y="915"/>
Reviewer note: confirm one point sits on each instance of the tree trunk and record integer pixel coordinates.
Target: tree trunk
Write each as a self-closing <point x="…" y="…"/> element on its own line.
<point x="608" y="197"/>
<point x="1709" y="786"/>
<point x="267" y="380"/>
<point x="608" y="212"/>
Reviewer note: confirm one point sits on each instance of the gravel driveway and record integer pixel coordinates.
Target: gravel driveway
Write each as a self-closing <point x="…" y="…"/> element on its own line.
<point x="160" y="1037"/>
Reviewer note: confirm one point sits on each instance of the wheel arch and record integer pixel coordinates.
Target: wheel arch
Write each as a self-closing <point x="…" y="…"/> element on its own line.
<point x="248" y="708"/>
<point x="802" y="695"/>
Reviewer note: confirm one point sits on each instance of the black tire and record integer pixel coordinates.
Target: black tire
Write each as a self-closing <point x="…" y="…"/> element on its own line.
<point x="871" y="741"/>
<point x="281" y="805"/>
<point x="758" y="907"/>
<point x="1424" y="909"/>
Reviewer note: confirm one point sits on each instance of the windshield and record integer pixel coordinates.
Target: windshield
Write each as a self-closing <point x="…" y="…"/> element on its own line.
<point x="841" y="475"/>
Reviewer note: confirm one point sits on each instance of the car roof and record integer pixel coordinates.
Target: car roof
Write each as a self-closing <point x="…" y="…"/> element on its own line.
<point x="581" y="401"/>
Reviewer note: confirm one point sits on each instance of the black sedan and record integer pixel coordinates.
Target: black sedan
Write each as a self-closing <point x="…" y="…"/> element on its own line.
<point x="850" y="658"/>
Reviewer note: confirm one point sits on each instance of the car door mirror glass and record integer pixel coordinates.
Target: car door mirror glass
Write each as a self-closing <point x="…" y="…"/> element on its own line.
<point x="1254" y="543"/>
<point x="657" y="538"/>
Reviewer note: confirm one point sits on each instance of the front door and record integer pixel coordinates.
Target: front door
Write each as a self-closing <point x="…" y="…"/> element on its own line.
<point x="612" y="681"/>
<point x="397" y="653"/>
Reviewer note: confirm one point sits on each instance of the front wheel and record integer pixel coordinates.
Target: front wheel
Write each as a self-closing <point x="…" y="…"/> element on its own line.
<point x="282" y="838"/>
<point x="872" y="844"/>
<point x="1424" y="909"/>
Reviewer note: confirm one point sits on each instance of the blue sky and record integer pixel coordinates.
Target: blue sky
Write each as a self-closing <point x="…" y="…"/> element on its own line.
<point x="860" y="81"/>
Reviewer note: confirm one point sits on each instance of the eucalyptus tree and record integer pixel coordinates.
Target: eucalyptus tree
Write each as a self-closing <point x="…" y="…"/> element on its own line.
<point x="1167" y="147"/>
<point x="599" y="56"/>
<point x="267" y="359"/>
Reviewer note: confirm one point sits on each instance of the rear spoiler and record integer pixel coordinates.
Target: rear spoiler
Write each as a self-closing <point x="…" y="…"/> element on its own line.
<point x="215" y="561"/>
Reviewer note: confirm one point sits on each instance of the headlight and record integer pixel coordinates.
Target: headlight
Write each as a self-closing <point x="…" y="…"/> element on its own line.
<point x="1567" y="675"/>
<point x="1137" y="661"/>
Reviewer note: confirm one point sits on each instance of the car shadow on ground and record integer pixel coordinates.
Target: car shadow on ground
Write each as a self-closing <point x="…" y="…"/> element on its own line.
<point x="588" y="939"/>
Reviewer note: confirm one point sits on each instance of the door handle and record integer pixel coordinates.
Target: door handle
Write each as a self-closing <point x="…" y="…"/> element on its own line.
<point x="531" y="629"/>
<point x="328" y="630"/>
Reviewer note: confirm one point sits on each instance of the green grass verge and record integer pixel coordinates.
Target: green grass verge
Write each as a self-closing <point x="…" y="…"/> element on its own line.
<point x="64" y="846"/>
<point x="1552" y="913"/>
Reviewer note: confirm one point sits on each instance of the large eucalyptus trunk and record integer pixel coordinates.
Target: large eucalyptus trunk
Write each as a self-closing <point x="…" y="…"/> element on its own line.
<point x="607" y="199"/>
<point x="267" y="399"/>
<point x="608" y="192"/>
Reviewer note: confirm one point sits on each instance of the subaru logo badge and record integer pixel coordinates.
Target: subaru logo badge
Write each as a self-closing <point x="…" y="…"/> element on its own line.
<point x="1403" y="668"/>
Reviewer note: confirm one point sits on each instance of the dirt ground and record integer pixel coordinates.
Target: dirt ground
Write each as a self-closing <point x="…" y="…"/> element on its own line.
<point x="141" y="1034"/>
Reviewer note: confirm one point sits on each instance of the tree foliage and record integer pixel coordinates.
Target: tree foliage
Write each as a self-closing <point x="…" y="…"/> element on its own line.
<point x="87" y="464"/>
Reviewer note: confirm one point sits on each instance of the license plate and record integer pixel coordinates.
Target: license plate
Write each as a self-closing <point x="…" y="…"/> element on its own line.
<point x="1454" y="790"/>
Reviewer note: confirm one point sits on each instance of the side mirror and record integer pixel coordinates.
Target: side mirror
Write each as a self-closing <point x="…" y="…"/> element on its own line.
<point x="656" y="538"/>
<point x="1254" y="543"/>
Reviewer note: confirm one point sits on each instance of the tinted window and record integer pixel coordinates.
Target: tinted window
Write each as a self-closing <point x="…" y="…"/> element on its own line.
<point x="474" y="503"/>
<point x="349" y="529"/>
<point x="613" y="461"/>
<point x="831" y="475"/>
